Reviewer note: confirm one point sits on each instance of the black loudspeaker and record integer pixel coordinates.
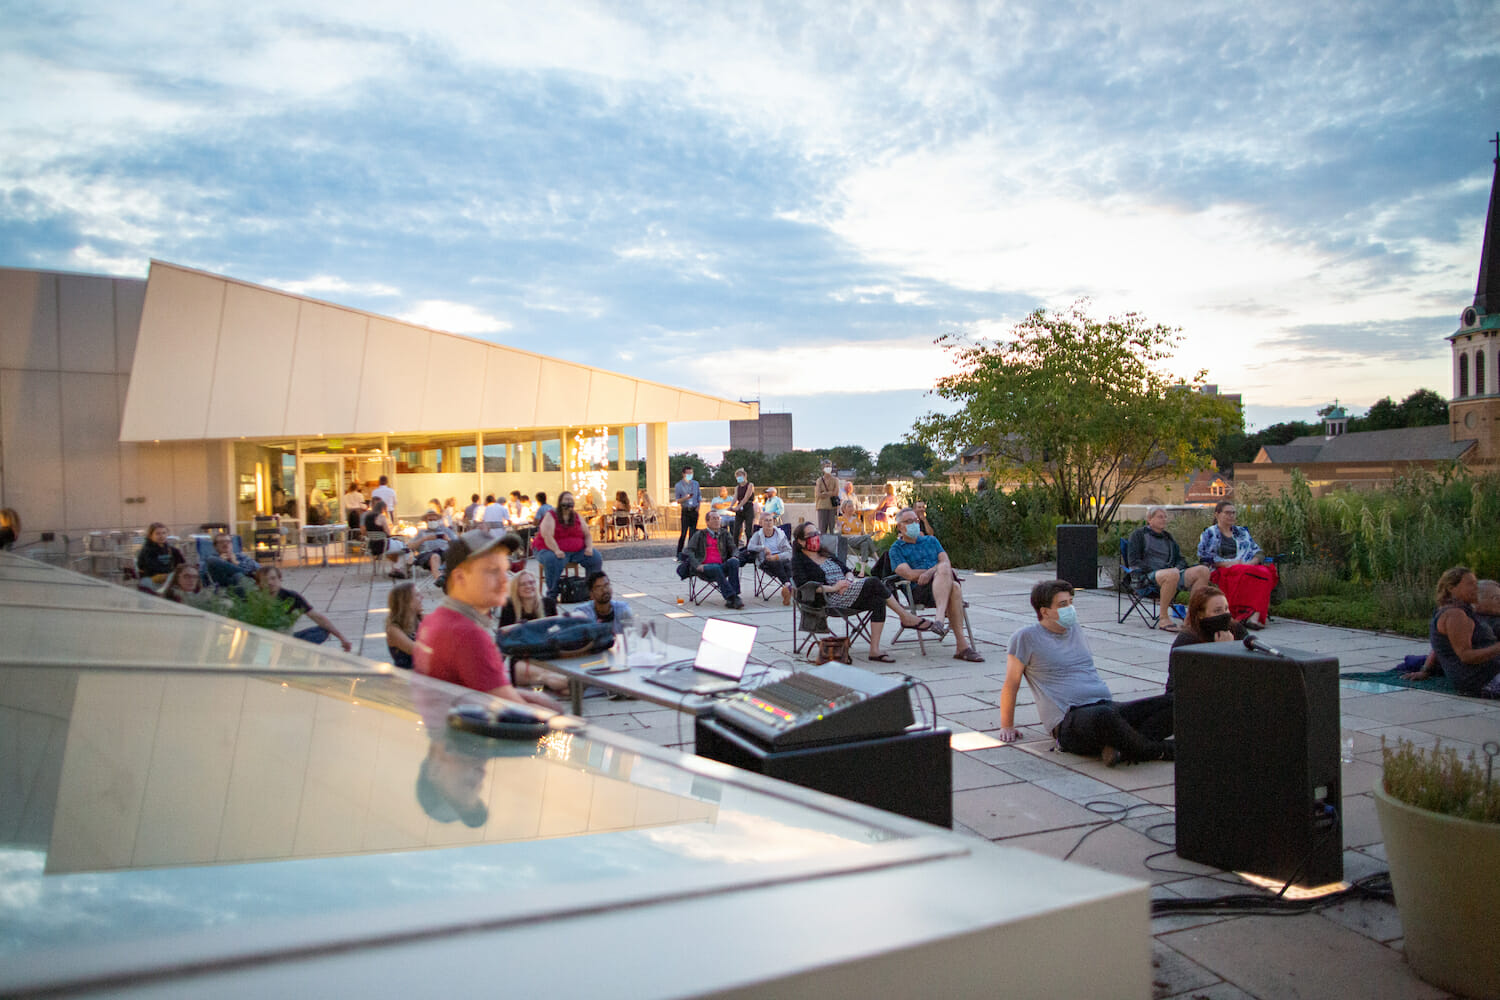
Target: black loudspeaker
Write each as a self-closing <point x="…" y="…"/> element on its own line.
<point x="910" y="774"/>
<point x="1258" y="786"/>
<point x="1078" y="554"/>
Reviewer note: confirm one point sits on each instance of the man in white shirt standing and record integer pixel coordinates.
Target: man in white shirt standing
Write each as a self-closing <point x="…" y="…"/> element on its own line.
<point x="384" y="492"/>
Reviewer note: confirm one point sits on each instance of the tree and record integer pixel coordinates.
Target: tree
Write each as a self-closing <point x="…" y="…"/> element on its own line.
<point x="1424" y="408"/>
<point x="795" y="468"/>
<point x="902" y="458"/>
<point x="1081" y="408"/>
<point x="852" y="456"/>
<point x="702" y="471"/>
<point x="755" y="464"/>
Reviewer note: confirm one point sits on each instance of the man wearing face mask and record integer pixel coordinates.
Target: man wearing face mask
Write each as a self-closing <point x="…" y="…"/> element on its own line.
<point x="1072" y="700"/>
<point x="688" y="496"/>
<point x="826" y="498"/>
<point x="921" y="559"/>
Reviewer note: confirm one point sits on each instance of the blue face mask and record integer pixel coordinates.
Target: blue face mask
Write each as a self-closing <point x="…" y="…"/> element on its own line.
<point x="687" y="477"/>
<point x="740" y="480"/>
<point x="1067" y="617"/>
<point x="913" y="530"/>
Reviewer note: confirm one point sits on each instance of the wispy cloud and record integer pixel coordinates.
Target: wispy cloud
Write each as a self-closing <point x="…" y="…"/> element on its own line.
<point x="453" y="317"/>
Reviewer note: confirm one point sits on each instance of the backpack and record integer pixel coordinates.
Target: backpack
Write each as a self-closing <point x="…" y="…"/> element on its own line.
<point x="555" y="638"/>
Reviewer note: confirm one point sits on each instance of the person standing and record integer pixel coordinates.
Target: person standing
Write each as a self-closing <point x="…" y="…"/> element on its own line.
<point x="743" y="507"/>
<point x="688" y="496"/>
<point x="826" y="498"/>
<point x="385" y="493"/>
<point x="354" y="507"/>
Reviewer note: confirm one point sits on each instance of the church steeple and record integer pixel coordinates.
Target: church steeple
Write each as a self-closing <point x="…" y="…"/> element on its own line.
<point x="1487" y="294"/>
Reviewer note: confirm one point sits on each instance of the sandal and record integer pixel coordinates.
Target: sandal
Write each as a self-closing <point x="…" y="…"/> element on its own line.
<point x="882" y="658"/>
<point x="969" y="656"/>
<point x="1168" y="626"/>
<point x="929" y="625"/>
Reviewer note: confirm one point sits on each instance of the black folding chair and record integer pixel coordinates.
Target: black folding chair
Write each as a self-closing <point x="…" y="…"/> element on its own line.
<point x="810" y="615"/>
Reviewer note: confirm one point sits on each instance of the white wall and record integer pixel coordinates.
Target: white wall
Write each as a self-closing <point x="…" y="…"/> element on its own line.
<point x="67" y="342"/>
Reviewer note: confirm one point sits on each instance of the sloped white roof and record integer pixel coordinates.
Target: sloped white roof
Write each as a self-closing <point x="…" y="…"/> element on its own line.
<point x="220" y="358"/>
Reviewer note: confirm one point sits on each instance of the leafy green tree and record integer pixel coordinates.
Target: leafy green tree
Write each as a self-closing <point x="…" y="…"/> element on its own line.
<point x="795" y="468"/>
<point x="702" y="471"/>
<point x="1083" y="408"/>
<point x="1424" y="408"/>
<point x="1383" y="416"/>
<point x="902" y="458"/>
<point x="755" y="464"/>
<point x="852" y="456"/>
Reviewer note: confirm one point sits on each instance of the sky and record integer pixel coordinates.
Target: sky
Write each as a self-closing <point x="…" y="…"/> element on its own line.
<point x="787" y="201"/>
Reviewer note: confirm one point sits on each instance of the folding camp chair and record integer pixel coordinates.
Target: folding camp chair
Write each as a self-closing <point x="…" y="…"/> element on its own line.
<point x="811" y="616"/>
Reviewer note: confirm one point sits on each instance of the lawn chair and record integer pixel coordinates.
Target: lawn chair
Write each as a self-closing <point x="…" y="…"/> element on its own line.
<point x="1143" y="597"/>
<point x="901" y="589"/>
<point x="810" y="615"/>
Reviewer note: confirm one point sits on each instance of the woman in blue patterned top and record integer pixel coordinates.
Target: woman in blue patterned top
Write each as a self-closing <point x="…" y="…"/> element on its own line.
<point x="1239" y="566"/>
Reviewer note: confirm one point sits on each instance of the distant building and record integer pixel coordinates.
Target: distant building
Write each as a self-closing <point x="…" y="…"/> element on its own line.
<point x="1377" y="458"/>
<point x="771" y="435"/>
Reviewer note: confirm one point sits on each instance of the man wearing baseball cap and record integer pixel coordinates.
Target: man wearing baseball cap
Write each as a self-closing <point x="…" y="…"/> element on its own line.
<point x="456" y="643"/>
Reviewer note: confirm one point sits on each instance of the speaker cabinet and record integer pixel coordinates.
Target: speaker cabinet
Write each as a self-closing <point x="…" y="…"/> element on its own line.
<point x="1258" y="784"/>
<point x="1078" y="554"/>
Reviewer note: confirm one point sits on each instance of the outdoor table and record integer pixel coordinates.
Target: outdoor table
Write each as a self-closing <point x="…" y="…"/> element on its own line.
<point x="321" y="535"/>
<point x="633" y="681"/>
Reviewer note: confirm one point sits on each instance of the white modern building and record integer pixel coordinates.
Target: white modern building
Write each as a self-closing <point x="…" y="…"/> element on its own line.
<point x="191" y="397"/>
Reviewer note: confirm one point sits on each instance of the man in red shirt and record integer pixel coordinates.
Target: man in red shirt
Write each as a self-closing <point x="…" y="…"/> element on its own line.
<point x="456" y="643"/>
<point x="711" y="554"/>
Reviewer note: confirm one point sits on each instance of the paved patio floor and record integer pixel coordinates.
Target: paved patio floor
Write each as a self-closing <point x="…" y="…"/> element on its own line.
<point x="1030" y="795"/>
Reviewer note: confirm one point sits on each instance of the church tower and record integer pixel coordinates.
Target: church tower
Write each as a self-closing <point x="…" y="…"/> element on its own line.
<point x="1474" y="408"/>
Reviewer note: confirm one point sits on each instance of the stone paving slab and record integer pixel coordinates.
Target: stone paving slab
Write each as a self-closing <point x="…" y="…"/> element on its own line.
<point x="1030" y="795"/>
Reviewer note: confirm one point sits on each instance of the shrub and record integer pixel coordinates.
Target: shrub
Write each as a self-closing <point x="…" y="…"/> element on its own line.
<point x="256" y="607"/>
<point x="1439" y="782"/>
<point x="993" y="530"/>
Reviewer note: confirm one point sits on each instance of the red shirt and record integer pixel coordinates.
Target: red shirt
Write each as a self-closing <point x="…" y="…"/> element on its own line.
<point x="711" y="550"/>
<point x="453" y="647"/>
<point x="569" y="537"/>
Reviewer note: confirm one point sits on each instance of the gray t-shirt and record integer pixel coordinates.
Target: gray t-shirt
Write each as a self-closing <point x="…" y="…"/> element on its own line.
<point x="1060" y="670"/>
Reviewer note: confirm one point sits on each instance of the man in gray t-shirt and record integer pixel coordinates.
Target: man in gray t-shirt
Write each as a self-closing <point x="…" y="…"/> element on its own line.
<point x="1074" y="703"/>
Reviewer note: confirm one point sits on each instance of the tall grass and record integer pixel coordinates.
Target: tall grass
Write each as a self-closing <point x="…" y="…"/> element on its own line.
<point x="1440" y="782"/>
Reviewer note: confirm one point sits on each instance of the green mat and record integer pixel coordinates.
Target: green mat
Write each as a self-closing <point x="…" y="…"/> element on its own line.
<point x="1438" y="684"/>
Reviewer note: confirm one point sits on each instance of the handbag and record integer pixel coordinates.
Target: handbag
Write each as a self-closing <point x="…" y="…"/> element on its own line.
<point x="834" y="648"/>
<point x="572" y="590"/>
<point x="555" y="638"/>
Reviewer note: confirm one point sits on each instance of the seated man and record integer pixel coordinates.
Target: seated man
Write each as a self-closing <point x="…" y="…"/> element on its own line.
<point x="496" y="517"/>
<point x="601" y="605"/>
<point x="1074" y="703"/>
<point x="226" y="568"/>
<point x="269" y="578"/>
<point x="430" y="544"/>
<point x="710" y="554"/>
<point x="772" y="552"/>
<point x="774" y="506"/>
<point x="456" y="642"/>
<point x="1157" y="566"/>
<point x="920" y="559"/>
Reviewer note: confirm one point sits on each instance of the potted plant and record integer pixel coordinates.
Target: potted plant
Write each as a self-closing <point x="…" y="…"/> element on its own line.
<point x="1440" y="817"/>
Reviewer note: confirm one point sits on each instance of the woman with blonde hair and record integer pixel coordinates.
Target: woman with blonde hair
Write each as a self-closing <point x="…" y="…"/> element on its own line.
<point x="1462" y="643"/>
<point x="405" y="605"/>
<point x="525" y="604"/>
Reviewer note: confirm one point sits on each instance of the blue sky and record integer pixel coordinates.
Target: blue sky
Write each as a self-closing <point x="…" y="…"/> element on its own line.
<point x="782" y="200"/>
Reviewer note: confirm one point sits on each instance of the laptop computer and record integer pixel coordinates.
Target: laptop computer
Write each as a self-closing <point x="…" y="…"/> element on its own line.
<point x="720" y="664"/>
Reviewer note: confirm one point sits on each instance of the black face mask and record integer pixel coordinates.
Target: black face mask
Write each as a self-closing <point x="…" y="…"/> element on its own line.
<point x="1214" y="625"/>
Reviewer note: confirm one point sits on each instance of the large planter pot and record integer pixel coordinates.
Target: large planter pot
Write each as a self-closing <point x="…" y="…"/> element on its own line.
<point x="1446" y="875"/>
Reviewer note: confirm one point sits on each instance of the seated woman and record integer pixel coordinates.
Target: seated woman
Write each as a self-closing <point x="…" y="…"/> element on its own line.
<point x="772" y="552"/>
<point x="1463" y="644"/>
<point x="156" y="558"/>
<point x="1239" y="567"/>
<point x="390" y="548"/>
<point x="405" y="606"/>
<point x="886" y="508"/>
<point x="849" y="525"/>
<point x="645" y="513"/>
<point x="564" y="538"/>
<point x="1208" y="620"/>
<point x="841" y="590"/>
<point x="525" y="604"/>
<point x="182" y="583"/>
<point x="1157" y="566"/>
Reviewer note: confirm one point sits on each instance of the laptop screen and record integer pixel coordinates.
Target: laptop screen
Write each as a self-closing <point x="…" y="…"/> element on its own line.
<point x="725" y="647"/>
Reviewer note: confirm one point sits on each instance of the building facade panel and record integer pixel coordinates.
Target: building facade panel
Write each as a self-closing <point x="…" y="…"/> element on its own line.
<point x="28" y="323"/>
<point x="327" y="369"/>
<point x="31" y="435"/>
<point x="130" y="302"/>
<point x="453" y="385"/>
<point x="86" y="323"/>
<point x="512" y="389"/>
<point x="253" y="363"/>
<point x="171" y="380"/>
<point x="389" y="399"/>
<point x="90" y="448"/>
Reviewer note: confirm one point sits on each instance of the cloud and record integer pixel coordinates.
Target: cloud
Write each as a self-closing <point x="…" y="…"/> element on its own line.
<point x="826" y="367"/>
<point x="322" y="285"/>
<point x="453" y="317"/>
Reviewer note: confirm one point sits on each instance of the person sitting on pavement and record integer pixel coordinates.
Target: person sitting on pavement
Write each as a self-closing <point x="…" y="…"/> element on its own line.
<point x="182" y="584"/>
<point x="156" y="558"/>
<point x="1465" y="647"/>
<point x="920" y="559"/>
<point x="1229" y="551"/>
<point x="711" y="555"/>
<point x="1074" y="703"/>
<point x="456" y="642"/>
<point x="1487" y="608"/>
<point x="842" y="590"/>
<point x="564" y="538"/>
<point x="774" y="506"/>
<point x="225" y="568"/>
<point x="601" y="606"/>
<point x="1208" y="620"/>
<point x="772" y="552"/>
<point x="524" y="603"/>
<point x="1158" y="567"/>
<point x="404" y="617"/>
<point x="269" y="579"/>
